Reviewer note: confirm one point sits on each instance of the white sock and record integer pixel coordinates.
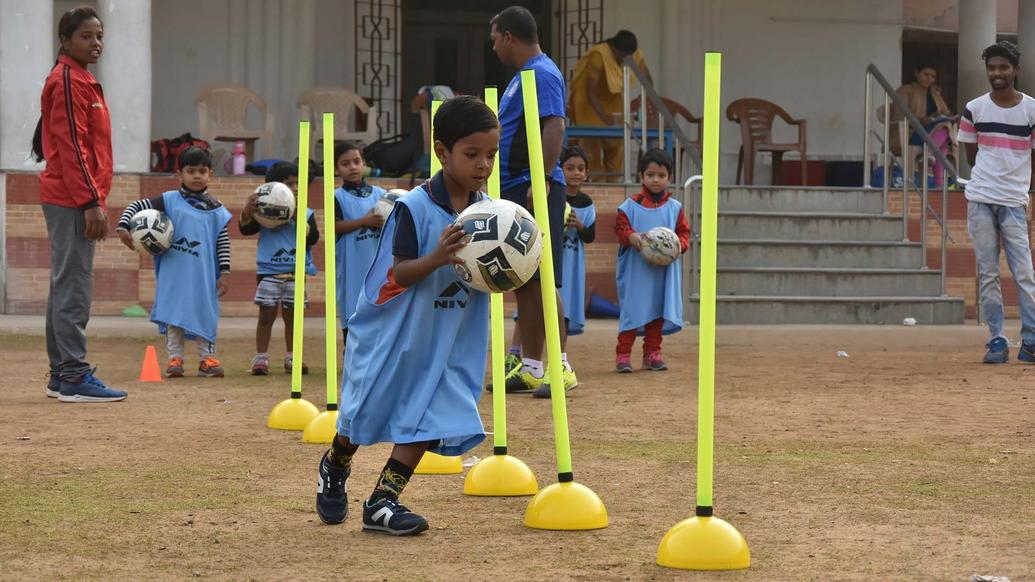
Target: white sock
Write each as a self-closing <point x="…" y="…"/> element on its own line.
<point x="535" y="367"/>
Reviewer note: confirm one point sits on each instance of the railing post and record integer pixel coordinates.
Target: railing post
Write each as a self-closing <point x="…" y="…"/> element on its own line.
<point x="945" y="228"/>
<point x="868" y="103"/>
<point x="661" y="133"/>
<point x="923" y="211"/>
<point x="643" y="120"/>
<point x="907" y="177"/>
<point x="626" y="119"/>
<point x="887" y="149"/>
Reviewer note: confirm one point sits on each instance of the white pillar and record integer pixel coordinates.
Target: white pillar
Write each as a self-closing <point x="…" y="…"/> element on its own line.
<point x="1026" y="40"/>
<point x="977" y="31"/>
<point x="28" y="39"/>
<point x="125" y="74"/>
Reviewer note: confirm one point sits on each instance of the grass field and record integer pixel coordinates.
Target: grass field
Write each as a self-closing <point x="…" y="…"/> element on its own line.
<point x="906" y="461"/>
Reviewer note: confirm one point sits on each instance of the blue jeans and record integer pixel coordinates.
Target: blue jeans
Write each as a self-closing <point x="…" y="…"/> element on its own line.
<point x="986" y="224"/>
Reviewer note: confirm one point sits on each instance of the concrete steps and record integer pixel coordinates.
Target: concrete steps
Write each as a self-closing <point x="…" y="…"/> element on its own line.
<point x="819" y="255"/>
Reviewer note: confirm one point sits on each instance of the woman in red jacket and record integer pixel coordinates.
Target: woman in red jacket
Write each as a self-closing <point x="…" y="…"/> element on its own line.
<point x="74" y="137"/>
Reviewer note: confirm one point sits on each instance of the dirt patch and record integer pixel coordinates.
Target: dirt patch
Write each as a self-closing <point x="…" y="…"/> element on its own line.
<point x="905" y="461"/>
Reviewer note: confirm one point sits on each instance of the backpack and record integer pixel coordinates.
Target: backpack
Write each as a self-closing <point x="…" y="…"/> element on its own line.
<point x="393" y="155"/>
<point x="164" y="152"/>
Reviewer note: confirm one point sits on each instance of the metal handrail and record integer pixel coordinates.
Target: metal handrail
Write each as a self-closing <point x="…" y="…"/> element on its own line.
<point x="891" y="96"/>
<point x="690" y="270"/>
<point x="665" y="119"/>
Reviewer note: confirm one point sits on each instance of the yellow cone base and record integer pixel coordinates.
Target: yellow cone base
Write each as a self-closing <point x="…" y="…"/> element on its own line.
<point x="566" y="506"/>
<point x="322" y="429"/>
<point x="704" y="543"/>
<point x="292" y="414"/>
<point x="500" y="476"/>
<point x="433" y="464"/>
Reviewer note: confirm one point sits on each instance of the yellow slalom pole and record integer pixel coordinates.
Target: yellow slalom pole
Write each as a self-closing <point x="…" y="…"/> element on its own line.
<point x="296" y="413"/>
<point x="324" y="427"/>
<point x="500" y="475"/>
<point x="436" y="165"/>
<point x="565" y="505"/>
<point x="431" y="463"/>
<point x="704" y="542"/>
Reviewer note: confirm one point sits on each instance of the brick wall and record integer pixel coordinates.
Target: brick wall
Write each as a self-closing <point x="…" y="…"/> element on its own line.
<point x="122" y="278"/>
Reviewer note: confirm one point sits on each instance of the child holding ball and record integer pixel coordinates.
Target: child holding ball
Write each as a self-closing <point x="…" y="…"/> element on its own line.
<point x="649" y="296"/>
<point x="190" y="277"/>
<point x="275" y="270"/>
<point x="415" y="363"/>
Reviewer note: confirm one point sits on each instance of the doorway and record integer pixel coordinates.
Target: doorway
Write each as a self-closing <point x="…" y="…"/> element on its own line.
<point x="447" y="43"/>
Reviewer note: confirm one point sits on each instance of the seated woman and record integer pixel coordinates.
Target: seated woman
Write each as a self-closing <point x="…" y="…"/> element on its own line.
<point x="924" y="99"/>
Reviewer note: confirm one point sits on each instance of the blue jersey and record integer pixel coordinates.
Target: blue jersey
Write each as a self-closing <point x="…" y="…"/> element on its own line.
<point x="645" y="291"/>
<point x="186" y="274"/>
<point x="354" y="251"/>
<point x="573" y="292"/>
<point x="415" y="356"/>
<point x="275" y="253"/>
<point x="513" y="153"/>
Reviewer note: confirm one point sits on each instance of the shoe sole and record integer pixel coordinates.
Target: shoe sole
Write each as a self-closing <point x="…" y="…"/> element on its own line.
<point x="550" y="394"/>
<point x="651" y="369"/>
<point x="174" y="374"/>
<point x="379" y="529"/>
<point x="210" y="374"/>
<point x="1021" y="357"/>
<point x="331" y="521"/>
<point x="81" y="398"/>
<point x="53" y="393"/>
<point x="260" y="372"/>
<point x="624" y="370"/>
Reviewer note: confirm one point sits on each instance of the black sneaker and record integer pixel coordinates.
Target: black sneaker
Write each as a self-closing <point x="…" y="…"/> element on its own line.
<point x="332" y="498"/>
<point x="384" y="514"/>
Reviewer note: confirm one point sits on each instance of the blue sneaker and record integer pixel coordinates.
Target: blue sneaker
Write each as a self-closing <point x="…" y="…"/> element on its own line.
<point x="998" y="351"/>
<point x="89" y="388"/>
<point x="1026" y="353"/>
<point x="54" y="386"/>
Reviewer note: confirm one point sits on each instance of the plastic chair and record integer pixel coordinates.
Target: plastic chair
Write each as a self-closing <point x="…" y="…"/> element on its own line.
<point x="755" y="117"/>
<point x="222" y="115"/>
<point x="346" y="107"/>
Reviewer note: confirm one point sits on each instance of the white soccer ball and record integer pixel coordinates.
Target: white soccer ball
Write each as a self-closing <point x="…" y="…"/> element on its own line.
<point x="276" y="204"/>
<point x="386" y="203"/>
<point x="660" y="246"/>
<point x="503" y="246"/>
<point x="152" y="232"/>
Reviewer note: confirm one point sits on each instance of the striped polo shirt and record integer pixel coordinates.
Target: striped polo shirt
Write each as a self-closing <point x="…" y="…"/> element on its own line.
<point x="1005" y="137"/>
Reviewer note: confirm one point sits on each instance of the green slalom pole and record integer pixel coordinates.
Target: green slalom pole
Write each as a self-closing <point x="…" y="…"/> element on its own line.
<point x="436" y="165"/>
<point x="329" y="263"/>
<point x="300" y="225"/>
<point x="553" y="338"/>
<point x="709" y="234"/>
<point x="499" y="397"/>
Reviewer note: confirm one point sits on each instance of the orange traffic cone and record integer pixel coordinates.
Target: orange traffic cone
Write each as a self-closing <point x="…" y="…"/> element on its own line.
<point x="149" y="372"/>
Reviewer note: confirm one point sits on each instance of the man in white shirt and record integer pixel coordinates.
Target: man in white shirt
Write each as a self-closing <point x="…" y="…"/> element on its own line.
<point x="997" y="132"/>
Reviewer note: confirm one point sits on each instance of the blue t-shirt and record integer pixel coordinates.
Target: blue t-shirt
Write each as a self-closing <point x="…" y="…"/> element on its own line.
<point x="513" y="154"/>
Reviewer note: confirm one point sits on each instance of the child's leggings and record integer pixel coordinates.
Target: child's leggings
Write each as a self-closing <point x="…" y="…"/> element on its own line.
<point x="174" y="337"/>
<point x="651" y="338"/>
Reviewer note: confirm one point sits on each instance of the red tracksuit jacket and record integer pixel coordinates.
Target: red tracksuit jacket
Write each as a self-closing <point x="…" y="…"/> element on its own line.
<point x="76" y="138"/>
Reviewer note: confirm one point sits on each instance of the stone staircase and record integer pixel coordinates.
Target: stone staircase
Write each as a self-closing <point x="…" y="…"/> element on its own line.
<point x="819" y="255"/>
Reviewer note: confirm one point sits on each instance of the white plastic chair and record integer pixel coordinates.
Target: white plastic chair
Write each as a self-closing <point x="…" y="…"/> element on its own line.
<point x="223" y="114"/>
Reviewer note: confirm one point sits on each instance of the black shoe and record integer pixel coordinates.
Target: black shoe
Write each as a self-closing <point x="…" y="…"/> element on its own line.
<point x="332" y="499"/>
<point x="384" y="514"/>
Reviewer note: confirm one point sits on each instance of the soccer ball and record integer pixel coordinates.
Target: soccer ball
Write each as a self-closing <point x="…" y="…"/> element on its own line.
<point x="386" y="203"/>
<point x="660" y="246"/>
<point x="503" y="246"/>
<point x="276" y="204"/>
<point x="567" y="214"/>
<point x="152" y="232"/>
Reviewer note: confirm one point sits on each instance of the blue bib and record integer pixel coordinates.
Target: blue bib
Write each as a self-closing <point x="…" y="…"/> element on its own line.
<point x="354" y="251"/>
<point x="276" y="251"/>
<point x="415" y="360"/>
<point x="645" y="291"/>
<point x="185" y="275"/>
<point x="573" y="293"/>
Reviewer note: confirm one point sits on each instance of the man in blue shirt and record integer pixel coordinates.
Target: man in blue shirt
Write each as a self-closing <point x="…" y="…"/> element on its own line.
<point x="515" y="40"/>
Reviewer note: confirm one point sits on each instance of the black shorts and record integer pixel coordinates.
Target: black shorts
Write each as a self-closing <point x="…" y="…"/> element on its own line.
<point x="555" y="201"/>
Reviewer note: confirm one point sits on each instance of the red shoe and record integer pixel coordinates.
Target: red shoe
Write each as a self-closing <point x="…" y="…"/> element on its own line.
<point x="260" y="366"/>
<point x="622" y="364"/>
<point x="654" y="362"/>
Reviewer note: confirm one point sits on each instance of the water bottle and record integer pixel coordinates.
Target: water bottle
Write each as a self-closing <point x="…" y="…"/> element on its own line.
<point x="239" y="158"/>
